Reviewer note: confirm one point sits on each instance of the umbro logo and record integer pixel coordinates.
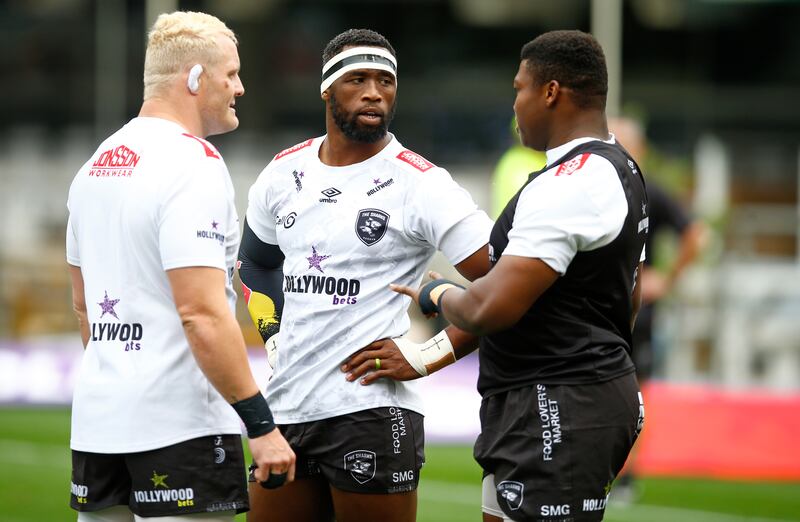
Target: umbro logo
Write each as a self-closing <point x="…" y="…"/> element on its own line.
<point x="330" y="193"/>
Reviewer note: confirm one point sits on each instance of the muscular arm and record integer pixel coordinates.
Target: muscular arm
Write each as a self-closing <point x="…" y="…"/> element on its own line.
<point x="499" y="299"/>
<point x="212" y="331"/>
<point x="79" y="302"/>
<point x="261" y="272"/>
<point x="475" y="266"/>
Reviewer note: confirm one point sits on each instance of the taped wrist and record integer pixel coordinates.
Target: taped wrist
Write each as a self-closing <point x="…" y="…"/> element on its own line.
<point x="256" y="415"/>
<point x="430" y="356"/>
<point x="431" y="294"/>
<point x="271" y="346"/>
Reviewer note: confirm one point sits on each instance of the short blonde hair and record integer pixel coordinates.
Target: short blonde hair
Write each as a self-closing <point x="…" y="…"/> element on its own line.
<point x="178" y="40"/>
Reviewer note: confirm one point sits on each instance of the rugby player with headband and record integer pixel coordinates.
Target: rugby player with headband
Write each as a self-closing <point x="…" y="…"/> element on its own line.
<point x="331" y="222"/>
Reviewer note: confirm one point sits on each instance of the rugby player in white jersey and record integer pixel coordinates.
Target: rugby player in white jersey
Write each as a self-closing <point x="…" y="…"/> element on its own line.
<point x="151" y="244"/>
<point x="331" y="222"/>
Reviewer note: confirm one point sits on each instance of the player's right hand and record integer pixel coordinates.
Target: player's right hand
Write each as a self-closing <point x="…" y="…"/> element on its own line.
<point x="273" y="456"/>
<point x="414" y="294"/>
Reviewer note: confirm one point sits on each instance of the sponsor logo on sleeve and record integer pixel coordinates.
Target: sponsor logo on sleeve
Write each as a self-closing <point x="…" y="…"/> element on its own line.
<point x="415" y="160"/>
<point x="512" y="492"/>
<point x="570" y="167"/>
<point x="118" y="162"/>
<point x="212" y="233"/>
<point x="371" y="225"/>
<point x="361" y="465"/>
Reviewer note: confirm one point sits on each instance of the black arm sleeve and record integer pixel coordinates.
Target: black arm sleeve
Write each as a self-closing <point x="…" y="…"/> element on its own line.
<point x="261" y="271"/>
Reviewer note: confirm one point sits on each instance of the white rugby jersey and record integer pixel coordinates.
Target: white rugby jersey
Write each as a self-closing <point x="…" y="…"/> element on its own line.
<point x="152" y="198"/>
<point x="347" y="232"/>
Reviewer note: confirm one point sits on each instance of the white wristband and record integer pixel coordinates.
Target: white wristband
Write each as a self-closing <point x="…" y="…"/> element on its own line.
<point x="271" y="346"/>
<point x="430" y="356"/>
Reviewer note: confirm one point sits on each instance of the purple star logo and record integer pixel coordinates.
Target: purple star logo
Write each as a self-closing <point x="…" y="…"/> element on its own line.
<point x="377" y="181"/>
<point x="316" y="259"/>
<point x="302" y="174"/>
<point x="108" y="306"/>
<point x="214" y="225"/>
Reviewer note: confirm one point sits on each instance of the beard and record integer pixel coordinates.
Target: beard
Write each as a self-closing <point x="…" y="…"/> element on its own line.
<point x="352" y="129"/>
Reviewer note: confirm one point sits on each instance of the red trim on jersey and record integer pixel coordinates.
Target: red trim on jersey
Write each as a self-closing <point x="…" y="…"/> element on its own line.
<point x="415" y="160"/>
<point x="210" y="151"/>
<point x="293" y="148"/>
<point x="569" y="167"/>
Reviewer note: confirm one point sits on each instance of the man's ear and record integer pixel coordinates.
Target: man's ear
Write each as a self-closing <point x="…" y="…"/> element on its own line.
<point x="326" y="95"/>
<point x="552" y="92"/>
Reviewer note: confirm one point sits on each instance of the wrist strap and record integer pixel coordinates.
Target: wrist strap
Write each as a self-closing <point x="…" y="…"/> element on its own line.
<point x="256" y="415"/>
<point x="431" y="294"/>
<point x="430" y="356"/>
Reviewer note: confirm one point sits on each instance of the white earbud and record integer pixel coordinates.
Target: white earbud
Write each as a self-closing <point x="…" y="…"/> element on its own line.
<point x="193" y="82"/>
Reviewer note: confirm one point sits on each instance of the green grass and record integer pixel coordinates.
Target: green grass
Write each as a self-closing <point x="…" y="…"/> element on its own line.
<point x="35" y="471"/>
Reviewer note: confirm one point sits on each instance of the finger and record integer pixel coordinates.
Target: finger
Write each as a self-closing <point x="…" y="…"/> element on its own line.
<point x="356" y="358"/>
<point x="361" y="369"/>
<point x="364" y="356"/>
<point x="435" y="275"/>
<point x="373" y="376"/>
<point x="402" y="289"/>
<point x="274" y="480"/>
<point x="290" y="476"/>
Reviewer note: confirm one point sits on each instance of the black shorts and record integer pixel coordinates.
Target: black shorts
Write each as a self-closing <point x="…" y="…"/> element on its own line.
<point x="555" y="450"/>
<point x="199" y="475"/>
<point x="370" y="451"/>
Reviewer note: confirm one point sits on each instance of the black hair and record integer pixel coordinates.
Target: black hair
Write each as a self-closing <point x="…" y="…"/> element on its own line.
<point x="575" y="60"/>
<point x="355" y="37"/>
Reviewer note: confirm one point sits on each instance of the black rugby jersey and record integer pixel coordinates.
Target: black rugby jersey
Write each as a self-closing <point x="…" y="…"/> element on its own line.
<point x="578" y="331"/>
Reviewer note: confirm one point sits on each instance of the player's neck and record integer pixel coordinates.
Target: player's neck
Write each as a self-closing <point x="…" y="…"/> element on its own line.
<point x="579" y="124"/>
<point x="167" y="110"/>
<point x="339" y="151"/>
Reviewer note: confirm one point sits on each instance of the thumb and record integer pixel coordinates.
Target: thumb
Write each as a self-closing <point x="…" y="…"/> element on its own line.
<point x="435" y="275"/>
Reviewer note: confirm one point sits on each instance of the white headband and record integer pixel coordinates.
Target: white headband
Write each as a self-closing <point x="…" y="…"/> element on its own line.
<point x="357" y="58"/>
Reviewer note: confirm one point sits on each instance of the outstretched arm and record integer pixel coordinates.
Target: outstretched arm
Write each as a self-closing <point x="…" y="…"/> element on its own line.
<point x="493" y="302"/>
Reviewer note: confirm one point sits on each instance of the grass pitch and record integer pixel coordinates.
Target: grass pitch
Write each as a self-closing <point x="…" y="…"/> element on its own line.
<point x="35" y="471"/>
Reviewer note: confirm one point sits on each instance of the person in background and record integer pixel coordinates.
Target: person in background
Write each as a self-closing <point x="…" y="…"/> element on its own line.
<point x="666" y="216"/>
<point x="512" y="170"/>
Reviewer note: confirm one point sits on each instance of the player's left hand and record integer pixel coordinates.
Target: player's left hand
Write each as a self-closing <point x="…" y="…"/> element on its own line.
<point x="414" y="293"/>
<point x="392" y="363"/>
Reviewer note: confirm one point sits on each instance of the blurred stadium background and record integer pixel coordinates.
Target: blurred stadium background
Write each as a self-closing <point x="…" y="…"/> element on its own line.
<point x="715" y="82"/>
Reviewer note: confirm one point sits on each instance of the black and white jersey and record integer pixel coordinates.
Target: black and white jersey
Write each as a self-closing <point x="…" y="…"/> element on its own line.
<point x="584" y="215"/>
